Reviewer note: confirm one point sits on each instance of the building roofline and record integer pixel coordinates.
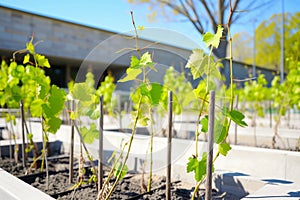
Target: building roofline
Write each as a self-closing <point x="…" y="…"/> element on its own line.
<point x="87" y="26"/>
<point x="250" y="65"/>
<point x="59" y="20"/>
<point x="112" y="32"/>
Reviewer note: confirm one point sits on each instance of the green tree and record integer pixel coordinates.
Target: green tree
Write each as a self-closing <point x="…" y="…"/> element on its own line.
<point x="205" y="15"/>
<point x="268" y="41"/>
<point x="268" y="35"/>
<point x="242" y="47"/>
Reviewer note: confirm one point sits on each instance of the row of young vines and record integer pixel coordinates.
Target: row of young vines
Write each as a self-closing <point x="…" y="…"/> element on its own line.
<point x="26" y="84"/>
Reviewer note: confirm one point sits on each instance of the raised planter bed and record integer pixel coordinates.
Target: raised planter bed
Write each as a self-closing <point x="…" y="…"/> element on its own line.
<point x="129" y="188"/>
<point x="179" y="189"/>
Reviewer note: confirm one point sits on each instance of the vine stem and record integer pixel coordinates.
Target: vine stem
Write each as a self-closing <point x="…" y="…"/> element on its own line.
<point x="231" y="98"/>
<point x="151" y="151"/>
<point x="231" y="68"/>
<point x="136" y="35"/>
<point x="111" y="173"/>
<point x="128" y="150"/>
<point x="197" y="126"/>
<point x="197" y="187"/>
<point x="85" y="148"/>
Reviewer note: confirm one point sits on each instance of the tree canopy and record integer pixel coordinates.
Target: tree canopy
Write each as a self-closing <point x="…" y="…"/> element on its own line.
<point x="268" y="41"/>
<point x="205" y="15"/>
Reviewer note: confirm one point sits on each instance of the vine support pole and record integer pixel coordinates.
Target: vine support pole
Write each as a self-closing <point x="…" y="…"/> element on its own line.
<point x="270" y="109"/>
<point x="23" y="134"/>
<point x="100" y="159"/>
<point x="71" y="163"/>
<point x="169" y="146"/>
<point x="210" y="145"/>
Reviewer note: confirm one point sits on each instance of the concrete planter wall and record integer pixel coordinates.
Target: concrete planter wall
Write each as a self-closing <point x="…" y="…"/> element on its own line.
<point x="251" y="165"/>
<point x="257" y="162"/>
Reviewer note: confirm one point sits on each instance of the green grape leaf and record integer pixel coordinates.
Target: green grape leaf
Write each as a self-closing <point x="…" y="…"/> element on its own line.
<point x="47" y="110"/>
<point x="143" y="121"/>
<point x="153" y="91"/>
<point x="89" y="135"/>
<point x="29" y="136"/>
<point x="192" y="164"/>
<point x="44" y="88"/>
<point x="54" y="124"/>
<point x="72" y="115"/>
<point x="197" y="62"/>
<point x="220" y="132"/>
<point x="2" y="99"/>
<point x="30" y="47"/>
<point x="95" y="113"/>
<point x="57" y="100"/>
<point x="13" y="118"/>
<point x="8" y="117"/>
<point x="118" y="171"/>
<point x="82" y="92"/>
<point x="26" y="58"/>
<point x="199" y="167"/>
<point x="204" y="123"/>
<point x="188" y="97"/>
<point x="224" y="148"/>
<point x="86" y="110"/>
<point x="19" y="72"/>
<point x="146" y="59"/>
<point x="42" y="60"/>
<point x="131" y="74"/>
<point x="213" y="39"/>
<point x="89" y="80"/>
<point x="71" y="86"/>
<point x="36" y="109"/>
<point x="134" y="63"/>
<point x="237" y="117"/>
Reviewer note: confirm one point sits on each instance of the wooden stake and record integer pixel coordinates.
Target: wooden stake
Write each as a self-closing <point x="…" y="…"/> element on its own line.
<point x="71" y="163"/>
<point x="23" y="134"/>
<point x="169" y="146"/>
<point x="210" y="144"/>
<point x="100" y="159"/>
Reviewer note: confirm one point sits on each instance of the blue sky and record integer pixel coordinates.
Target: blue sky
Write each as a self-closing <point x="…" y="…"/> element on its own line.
<point x="114" y="15"/>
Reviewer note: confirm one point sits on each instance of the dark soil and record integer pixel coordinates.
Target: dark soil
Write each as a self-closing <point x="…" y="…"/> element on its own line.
<point x="56" y="163"/>
<point x="129" y="188"/>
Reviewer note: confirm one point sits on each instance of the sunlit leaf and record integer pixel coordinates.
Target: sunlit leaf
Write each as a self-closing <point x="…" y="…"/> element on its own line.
<point x="82" y="92"/>
<point x="204" y="123"/>
<point x="42" y="60"/>
<point x="89" y="134"/>
<point x="26" y="58"/>
<point x="199" y="167"/>
<point x="197" y="62"/>
<point x="224" y="148"/>
<point x="220" y="130"/>
<point x="145" y="59"/>
<point x="36" y="108"/>
<point x="153" y="91"/>
<point x="134" y="63"/>
<point x="56" y="100"/>
<point x="131" y="74"/>
<point x="54" y="124"/>
<point x="238" y="118"/>
<point x="30" y="47"/>
<point x="213" y="39"/>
